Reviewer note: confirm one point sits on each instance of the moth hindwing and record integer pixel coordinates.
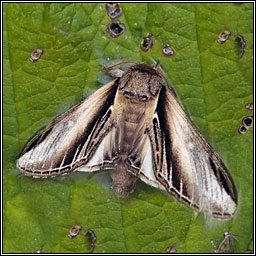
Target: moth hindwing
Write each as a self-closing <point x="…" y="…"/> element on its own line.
<point x="135" y="126"/>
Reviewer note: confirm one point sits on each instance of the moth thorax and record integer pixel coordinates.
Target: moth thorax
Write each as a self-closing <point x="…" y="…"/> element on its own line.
<point x="141" y="82"/>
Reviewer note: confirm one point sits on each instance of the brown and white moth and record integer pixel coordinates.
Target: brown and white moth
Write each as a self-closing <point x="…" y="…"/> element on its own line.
<point x="135" y="126"/>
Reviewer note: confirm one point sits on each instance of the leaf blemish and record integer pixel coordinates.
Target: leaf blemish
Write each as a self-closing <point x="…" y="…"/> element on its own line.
<point x="116" y="28"/>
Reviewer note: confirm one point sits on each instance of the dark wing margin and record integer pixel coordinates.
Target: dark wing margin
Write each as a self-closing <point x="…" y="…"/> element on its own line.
<point x="191" y="171"/>
<point x="71" y="139"/>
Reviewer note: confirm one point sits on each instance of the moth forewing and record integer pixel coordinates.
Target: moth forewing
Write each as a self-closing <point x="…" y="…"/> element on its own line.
<point x="194" y="173"/>
<point x="63" y="145"/>
<point x="135" y="126"/>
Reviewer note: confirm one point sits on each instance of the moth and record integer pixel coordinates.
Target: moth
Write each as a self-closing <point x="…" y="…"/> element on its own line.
<point x="134" y="126"/>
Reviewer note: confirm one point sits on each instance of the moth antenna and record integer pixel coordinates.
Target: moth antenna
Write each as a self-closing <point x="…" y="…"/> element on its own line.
<point x="115" y="71"/>
<point x="157" y="65"/>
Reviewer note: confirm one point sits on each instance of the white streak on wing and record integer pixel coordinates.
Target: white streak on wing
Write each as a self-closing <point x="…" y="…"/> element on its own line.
<point x="216" y="195"/>
<point x="63" y="160"/>
<point x="103" y="154"/>
<point x="39" y="154"/>
<point x="221" y="198"/>
<point x="51" y="166"/>
<point x="147" y="170"/>
<point x="48" y="148"/>
<point x="96" y="159"/>
<point x="74" y="158"/>
<point x="210" y="195"/>
<point x="230" y="205"/>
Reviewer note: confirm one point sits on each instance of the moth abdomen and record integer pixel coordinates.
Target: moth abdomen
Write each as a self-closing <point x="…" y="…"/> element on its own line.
<point x="124" y="182"/>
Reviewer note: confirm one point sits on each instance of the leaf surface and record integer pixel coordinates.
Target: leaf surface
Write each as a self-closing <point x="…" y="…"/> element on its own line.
<point x="212" y="83"/>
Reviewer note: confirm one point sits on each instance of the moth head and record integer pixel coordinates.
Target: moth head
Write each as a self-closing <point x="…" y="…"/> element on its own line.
<point x="141" y="82"/>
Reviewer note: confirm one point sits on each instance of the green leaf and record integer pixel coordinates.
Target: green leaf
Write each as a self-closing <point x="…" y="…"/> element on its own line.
<point x="212" y="83"/>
